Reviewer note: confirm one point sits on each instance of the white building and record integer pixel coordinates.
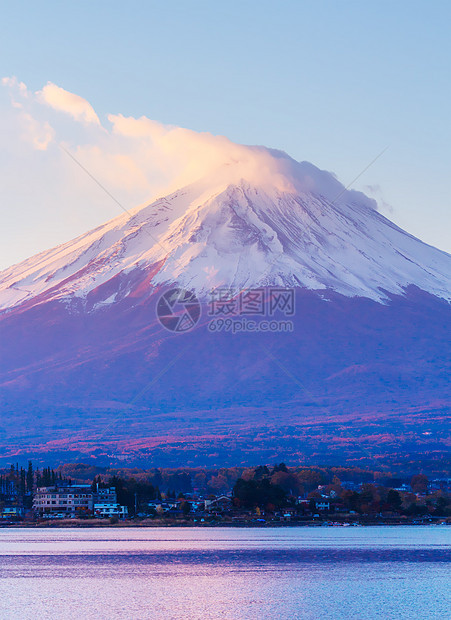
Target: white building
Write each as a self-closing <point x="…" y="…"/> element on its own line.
<point x="323" y="505"/>
<point x="8" y="512"/>
<point x="106" y="506"/>
<point x="104" y="510"/>
<point x="67" y="500"/>
<point x="224" y="502"/>
<point x="77" y="500"/>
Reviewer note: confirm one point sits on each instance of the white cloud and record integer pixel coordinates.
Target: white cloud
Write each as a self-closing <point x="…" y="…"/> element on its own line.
<point x="14" y="84"/>
<point x="135" y="159"/>
<point x="65" y="101"/>
<point x="49" y="199"/>
<point x="39" y="134"/>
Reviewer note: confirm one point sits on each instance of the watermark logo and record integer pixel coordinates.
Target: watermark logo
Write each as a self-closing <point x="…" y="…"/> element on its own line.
<point x="178" y="310"/>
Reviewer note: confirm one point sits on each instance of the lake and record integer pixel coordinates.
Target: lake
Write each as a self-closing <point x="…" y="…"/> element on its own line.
<point x="211" y="573"/>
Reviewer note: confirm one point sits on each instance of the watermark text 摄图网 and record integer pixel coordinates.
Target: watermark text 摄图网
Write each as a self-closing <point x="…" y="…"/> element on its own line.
<point x="225" y="301"/>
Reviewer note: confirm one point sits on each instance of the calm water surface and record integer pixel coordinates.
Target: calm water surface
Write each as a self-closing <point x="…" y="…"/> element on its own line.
<point x="280" y="573"/>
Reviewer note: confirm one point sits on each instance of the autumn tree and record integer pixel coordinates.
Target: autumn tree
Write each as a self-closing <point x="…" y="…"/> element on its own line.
<point x="309" y="479"/>
<point x="290" y="482"/>
<point x="394" y="499"/>
<point x="262" y="493"/>
<point x="419" y="483"/>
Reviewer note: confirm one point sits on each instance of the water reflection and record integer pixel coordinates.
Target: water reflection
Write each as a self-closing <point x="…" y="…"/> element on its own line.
<point x="281" y="573"/>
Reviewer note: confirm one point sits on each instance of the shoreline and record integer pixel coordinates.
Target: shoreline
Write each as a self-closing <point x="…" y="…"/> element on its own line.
<point x="239" y="525"/>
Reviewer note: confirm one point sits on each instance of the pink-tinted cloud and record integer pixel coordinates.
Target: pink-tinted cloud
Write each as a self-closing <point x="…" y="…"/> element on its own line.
<point x="138" y="156"/>
<point x="70" y="103"/>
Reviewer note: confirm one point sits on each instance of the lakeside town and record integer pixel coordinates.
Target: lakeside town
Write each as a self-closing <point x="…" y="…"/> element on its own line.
<point x="276" y="495"/>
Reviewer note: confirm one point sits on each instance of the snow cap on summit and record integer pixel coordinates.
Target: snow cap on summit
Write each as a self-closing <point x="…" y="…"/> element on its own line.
<point x="258" y="219"/>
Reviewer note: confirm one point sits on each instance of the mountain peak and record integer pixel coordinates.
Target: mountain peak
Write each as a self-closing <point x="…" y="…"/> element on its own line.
<point x="272" y="169"/>
<point x="260" y="218"/>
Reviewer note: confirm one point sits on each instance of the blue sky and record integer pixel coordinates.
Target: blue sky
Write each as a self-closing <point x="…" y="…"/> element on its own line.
<point x="333" y="83"/>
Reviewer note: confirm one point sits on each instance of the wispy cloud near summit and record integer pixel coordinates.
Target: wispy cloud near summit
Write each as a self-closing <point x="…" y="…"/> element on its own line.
<point x="50" y="199"/>
<point x="138" y="158"/>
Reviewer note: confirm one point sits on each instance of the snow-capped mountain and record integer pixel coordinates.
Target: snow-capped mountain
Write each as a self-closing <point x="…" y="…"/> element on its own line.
<point x="86" y="368"/>
<point x="265" y="220"/>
